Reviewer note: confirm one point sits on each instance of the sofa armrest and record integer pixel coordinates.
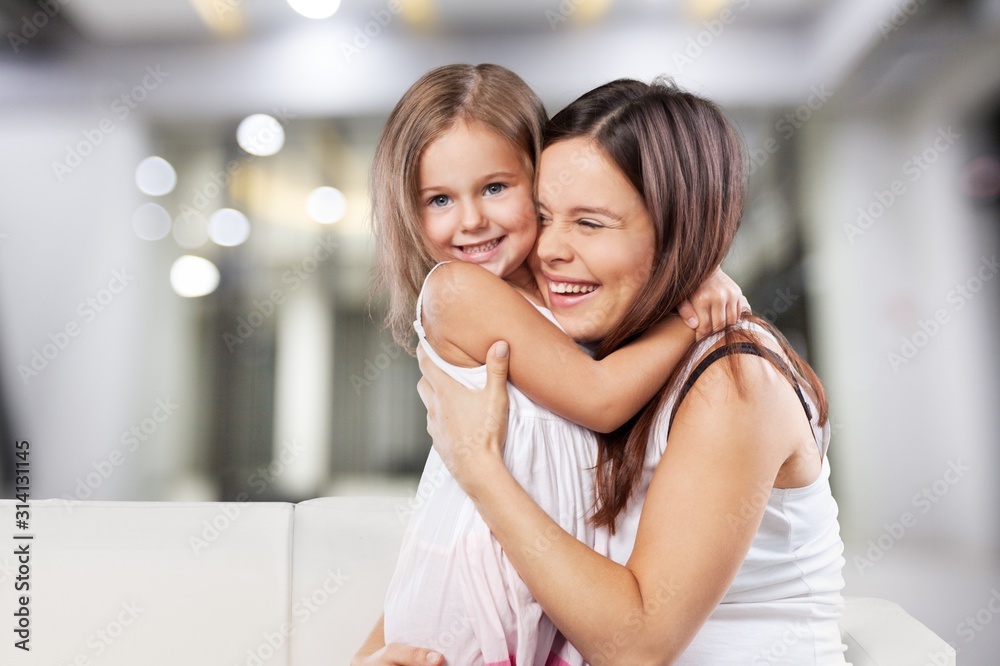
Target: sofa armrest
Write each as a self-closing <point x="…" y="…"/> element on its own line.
<point x="880" y="633"/>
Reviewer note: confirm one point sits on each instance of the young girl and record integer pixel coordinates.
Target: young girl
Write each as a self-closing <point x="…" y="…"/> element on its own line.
<point x="453" y="181"/>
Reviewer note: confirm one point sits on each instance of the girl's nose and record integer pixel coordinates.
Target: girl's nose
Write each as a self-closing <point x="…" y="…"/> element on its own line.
<point x="472" y="218"/>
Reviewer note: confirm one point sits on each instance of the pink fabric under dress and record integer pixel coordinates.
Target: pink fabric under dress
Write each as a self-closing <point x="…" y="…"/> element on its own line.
<point x="454" y="589"/>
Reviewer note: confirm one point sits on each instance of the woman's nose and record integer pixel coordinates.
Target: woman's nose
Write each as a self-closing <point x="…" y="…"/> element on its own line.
<point x="553" y="244"/>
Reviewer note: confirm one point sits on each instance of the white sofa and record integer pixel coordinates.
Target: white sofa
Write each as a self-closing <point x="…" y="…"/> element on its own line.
<point x="129" y="583"/>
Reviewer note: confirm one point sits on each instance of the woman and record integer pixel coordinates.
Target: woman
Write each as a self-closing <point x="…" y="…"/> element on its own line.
<point x="725" y="544"/>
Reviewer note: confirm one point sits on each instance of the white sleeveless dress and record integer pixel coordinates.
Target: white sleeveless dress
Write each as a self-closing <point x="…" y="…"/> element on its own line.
<point x="784" y="604"/>
<point x="454" y="589"/>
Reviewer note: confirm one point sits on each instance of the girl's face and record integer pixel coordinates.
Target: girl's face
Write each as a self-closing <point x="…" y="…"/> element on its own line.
<point x="595" y="247"/>
<point x="476" y="199"/>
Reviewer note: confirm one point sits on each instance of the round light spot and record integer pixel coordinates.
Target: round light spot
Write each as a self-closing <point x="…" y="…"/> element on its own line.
<point x="155" y="176"/>
<point x="260" y="135"/>
<point x="326" y="204"/>
<point x="190" y="230"/>
<point x="151" y="222"/>
<point x="228" y="227"/>
<point x="315" y="9"/>
<point x="192" y="276"/>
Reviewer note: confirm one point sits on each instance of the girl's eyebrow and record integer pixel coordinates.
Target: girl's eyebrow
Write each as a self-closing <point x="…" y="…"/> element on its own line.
<point x="499" y="174"/>
<point x="507" y="175"/>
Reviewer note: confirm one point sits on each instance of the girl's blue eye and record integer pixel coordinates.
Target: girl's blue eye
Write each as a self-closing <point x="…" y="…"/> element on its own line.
<point x="495" y="188"/>
<point x="440" y="200"/>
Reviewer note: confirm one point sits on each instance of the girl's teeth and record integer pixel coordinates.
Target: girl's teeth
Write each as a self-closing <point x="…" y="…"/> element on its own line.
<point x="572" y="288"/>
<point x="483" y="247"/>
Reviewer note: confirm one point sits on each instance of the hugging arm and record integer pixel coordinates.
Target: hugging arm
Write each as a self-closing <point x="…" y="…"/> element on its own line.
<point x="696" y="525"/>
<point x="466" y="308"/>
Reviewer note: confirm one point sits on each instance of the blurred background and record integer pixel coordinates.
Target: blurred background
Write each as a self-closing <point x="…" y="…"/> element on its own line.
<point x="185" y="307"/>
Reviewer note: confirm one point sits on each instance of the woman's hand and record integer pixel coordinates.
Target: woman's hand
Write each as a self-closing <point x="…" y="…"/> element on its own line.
<point x="718" y="302"/>
<point x="468" y="426"/>
<point x="399" y="655"/>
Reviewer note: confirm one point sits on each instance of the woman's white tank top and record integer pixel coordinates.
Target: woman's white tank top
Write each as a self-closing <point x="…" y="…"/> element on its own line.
<point x="784" y="604"/>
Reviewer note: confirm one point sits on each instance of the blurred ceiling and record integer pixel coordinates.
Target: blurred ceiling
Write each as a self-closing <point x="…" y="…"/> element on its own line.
<point x="127" y="21"/>
<point x="227" y="57"/>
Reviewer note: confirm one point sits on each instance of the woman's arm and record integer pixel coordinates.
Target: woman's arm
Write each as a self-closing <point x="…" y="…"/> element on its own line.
<point x="698" y="520"/>
<point x="376" y="653"/>
<point x="466" y="308"/>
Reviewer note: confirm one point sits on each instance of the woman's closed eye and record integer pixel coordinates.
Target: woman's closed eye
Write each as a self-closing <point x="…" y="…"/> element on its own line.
<point x="590" y="224"/>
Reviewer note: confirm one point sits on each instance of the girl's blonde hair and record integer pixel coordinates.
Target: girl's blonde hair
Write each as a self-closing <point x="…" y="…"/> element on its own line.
<point x="488" y="94"/>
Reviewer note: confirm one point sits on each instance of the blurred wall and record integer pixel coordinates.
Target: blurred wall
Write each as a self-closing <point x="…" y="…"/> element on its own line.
<point x="77" y="289"/>
<point x="910" y="360"/>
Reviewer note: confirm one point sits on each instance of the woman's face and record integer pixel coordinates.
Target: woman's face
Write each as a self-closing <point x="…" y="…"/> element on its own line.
<point x="595" y="246"/>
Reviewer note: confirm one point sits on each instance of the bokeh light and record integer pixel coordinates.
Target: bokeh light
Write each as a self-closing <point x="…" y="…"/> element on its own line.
<point x="192" y="276"/>
<point x="228" y="227"/>
<point x="151" y="222"/>
<point x="155" y="176"/>
<point x="326" y="205"/>
<point x="315" y="9"/>
<point x="260" y="135"/>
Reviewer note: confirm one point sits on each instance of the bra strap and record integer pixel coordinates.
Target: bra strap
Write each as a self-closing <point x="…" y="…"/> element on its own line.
<point x="739" y="348"/>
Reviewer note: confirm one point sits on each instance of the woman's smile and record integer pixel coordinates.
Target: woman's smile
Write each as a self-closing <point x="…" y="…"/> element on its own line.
<point x="565" y="292"/>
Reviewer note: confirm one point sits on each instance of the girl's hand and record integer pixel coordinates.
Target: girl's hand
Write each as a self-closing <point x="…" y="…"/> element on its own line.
<point x="395" y="654"/>
<point x="468" y="426"/>
<point x="718" y="302"/>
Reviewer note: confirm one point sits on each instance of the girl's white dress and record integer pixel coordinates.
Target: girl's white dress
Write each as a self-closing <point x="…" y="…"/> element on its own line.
<point x="454" y="589"/>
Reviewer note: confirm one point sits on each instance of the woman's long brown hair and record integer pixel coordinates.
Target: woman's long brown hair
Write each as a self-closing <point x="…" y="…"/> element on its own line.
<point x="686" y="161"/>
